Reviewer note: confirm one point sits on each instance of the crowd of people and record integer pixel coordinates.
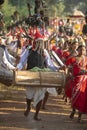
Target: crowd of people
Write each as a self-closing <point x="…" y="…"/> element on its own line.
<point x="23" y="47"/>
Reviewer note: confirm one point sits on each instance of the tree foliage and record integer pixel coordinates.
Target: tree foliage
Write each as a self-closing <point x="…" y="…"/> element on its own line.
<point x="7" y="10"/>
<point x="55" y="7"/>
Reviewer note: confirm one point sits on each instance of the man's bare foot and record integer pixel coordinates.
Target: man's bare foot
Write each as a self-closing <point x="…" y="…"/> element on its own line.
<point x="37" y="119"/>
<point x="26" y="113"/>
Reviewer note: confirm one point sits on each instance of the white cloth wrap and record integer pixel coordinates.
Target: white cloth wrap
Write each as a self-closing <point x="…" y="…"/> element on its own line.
<point x="35" y="93"/>
<point x="52" y="91"/>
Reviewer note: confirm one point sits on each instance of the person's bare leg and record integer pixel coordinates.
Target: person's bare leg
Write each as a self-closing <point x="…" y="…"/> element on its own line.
<point x="45" y="100"/>
<point x="38" y="106"/>
<point x="28" y="101"/>
<point x="79" y="117"/>
<point x="72" y="113"/>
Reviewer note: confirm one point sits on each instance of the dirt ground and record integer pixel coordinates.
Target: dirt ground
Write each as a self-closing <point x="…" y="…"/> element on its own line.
<point x="55" y="117"/>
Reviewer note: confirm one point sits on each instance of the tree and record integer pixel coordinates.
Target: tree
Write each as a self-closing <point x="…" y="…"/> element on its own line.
<point x="60" y="8"/>
<point x="7" y="10"/>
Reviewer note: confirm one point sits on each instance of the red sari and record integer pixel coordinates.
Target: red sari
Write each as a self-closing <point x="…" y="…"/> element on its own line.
<point x="76" y="87"/>
<point x="65" y="55"/>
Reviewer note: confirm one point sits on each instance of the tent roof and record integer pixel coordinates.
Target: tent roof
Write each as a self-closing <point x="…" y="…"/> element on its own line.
<point x="78" y="13"/>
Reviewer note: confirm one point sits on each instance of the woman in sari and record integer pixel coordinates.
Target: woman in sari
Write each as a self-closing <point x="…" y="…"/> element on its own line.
<point x="76" y="89"/>
<point x="67" y="56"/>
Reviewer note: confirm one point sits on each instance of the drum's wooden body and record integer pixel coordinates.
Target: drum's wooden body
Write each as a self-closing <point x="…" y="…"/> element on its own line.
<point x="39" y="79"/>
<point x="6" y="77"/>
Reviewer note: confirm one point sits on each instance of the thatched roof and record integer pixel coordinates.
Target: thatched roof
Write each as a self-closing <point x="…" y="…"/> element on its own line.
<point x="77" y="14"/>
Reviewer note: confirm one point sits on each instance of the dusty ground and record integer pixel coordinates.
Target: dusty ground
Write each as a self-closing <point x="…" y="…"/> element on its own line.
<point x="55" y="117"/>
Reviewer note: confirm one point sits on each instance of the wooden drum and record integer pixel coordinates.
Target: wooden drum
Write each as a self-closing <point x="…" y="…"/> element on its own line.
<point x="6" y="77"/>
<point x="39" y="79"/>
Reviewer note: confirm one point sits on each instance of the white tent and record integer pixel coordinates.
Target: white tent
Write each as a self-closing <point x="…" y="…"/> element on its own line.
<point x="78" y="13"/>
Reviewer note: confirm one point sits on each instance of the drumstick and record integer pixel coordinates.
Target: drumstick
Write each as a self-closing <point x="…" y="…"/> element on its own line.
<point x="57" y="58"/>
